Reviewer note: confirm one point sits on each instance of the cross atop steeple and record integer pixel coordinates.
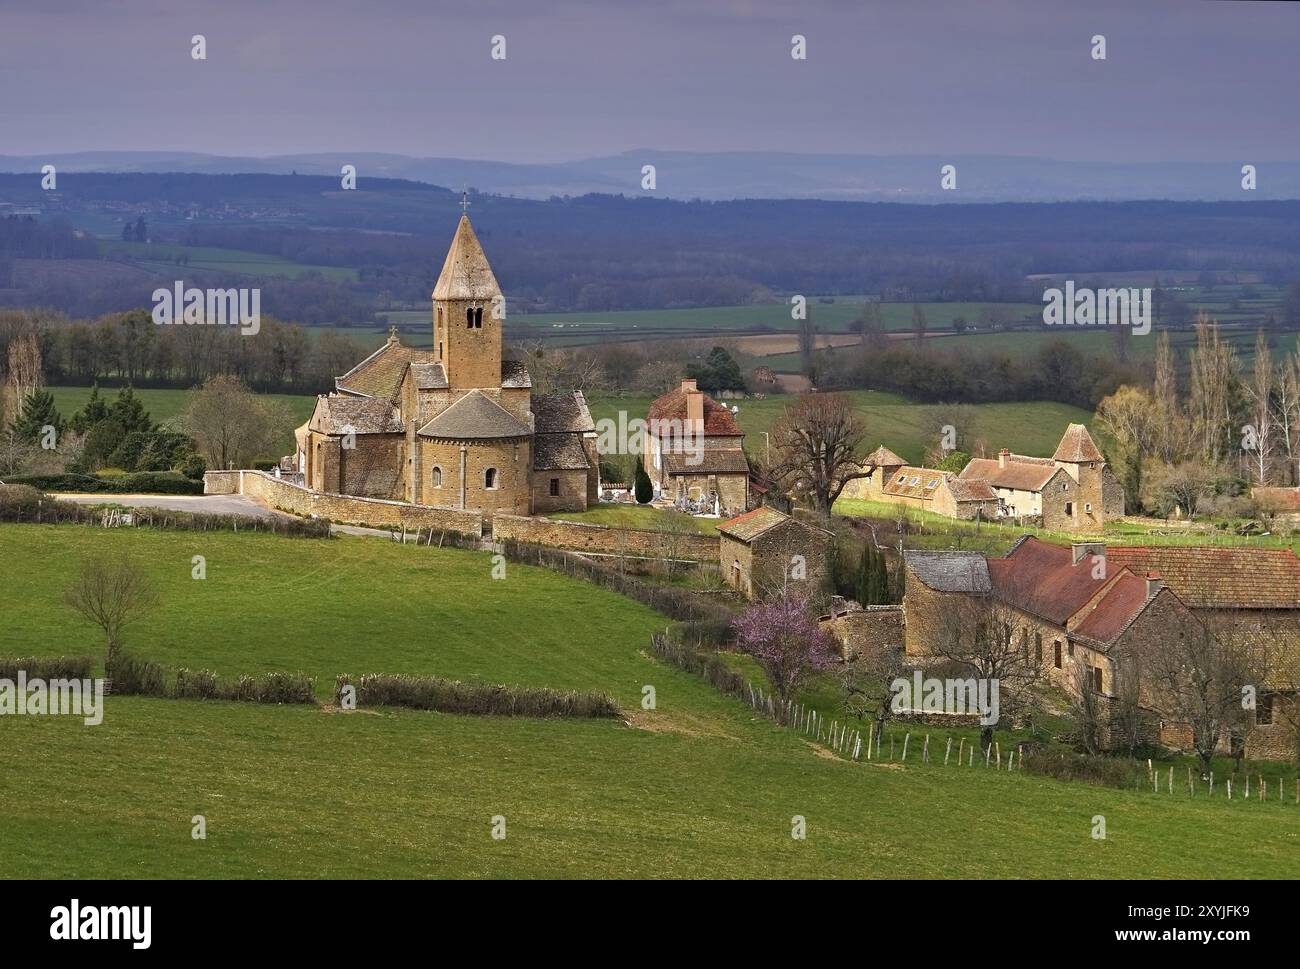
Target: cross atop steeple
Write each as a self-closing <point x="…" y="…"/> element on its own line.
<point x="464" y="202"/>
<point x="392" y="334"/>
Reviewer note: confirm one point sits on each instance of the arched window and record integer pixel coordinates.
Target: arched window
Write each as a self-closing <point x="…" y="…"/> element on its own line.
<point x="490" y="478"/>
<point x="437" y="477"/>
<point x="478" y="318"/>
<point x="469" y="317"/>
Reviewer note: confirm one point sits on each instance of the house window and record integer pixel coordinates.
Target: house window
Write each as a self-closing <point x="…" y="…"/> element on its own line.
<point x="1088" y="508"/>
<point x="436" y="477"/>
<point x="1096" y="679"/>
<point x="1070" y="649"/>
<point x="1264" y="710"/>
<point x="1057" y="644"/>
<point x="1069" y="508"/>
<point x="490" y="478"/>
<point x="555" y="487"/>
<point x="1038" y="648"/>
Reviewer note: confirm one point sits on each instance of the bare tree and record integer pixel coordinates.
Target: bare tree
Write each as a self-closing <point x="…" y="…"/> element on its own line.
<point x="112" y="592"/>
<point x="1258" y="440"/>
<point x="865" y="679"/>
<point x="818" y="448"/>
<point x="231" y="424"/>
<point x="1087" y="708"/>
<point x="984" y="635"/>
<point x="1213" y="386"/>
<point x="1202" y="674"/>
<point x="23" y="376"/>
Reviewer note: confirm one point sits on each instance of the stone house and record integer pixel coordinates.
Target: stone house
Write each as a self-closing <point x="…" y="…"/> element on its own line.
<point x="454" y="426"/>
<point x="1081" y="613"/>
<point x="764" y="550"/>
<point x="891" y="479"/>
<point x="1074" y="490"/>
<point x="693" y="452"/>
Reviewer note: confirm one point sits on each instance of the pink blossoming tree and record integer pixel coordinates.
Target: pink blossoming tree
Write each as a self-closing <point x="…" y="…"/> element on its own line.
<point x="783" y="636"/>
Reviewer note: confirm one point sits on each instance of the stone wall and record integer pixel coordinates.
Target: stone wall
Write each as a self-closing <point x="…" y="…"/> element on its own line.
<point x="582" y="537"/>
<point x="573" y="488"/>
<point x="867" y="631"/>
<point x="345" y="509"/>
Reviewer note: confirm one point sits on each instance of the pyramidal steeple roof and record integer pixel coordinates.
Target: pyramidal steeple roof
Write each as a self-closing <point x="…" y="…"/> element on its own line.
<point x="466" y="273"/>
<point x="1077" y="446"/>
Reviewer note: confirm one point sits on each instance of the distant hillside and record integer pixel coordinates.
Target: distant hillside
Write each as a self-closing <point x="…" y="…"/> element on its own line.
<point x="738" y="175"/>
<point x="343" y="255"/>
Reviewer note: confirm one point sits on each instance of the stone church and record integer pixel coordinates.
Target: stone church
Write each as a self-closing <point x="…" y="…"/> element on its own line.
<point x="456" y="425"/>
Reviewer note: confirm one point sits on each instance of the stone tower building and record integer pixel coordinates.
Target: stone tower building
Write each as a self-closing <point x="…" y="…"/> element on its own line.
<point x="456" y="425"/>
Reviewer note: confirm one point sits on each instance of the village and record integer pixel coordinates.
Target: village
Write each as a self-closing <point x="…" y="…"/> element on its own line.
<point x="1113" y="636"/>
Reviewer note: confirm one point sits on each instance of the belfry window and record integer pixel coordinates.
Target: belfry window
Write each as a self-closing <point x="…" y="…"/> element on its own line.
<point x="469" y="317"/>
<point x="490" y="478"/>
<point x="478" y="318"/>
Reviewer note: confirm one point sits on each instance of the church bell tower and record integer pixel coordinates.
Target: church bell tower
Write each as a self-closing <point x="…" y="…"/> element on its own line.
<point x="468" y="314"/>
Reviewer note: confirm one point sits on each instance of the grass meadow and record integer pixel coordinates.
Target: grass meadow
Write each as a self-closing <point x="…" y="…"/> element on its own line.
<point x="697" y="786"/>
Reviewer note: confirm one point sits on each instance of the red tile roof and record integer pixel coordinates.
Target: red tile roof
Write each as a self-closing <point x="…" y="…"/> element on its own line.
<point x="718" y="420"/>
<point x="1037" y="576"/>
<point x="1115" y="610"/>
<point x="1245" y="578"/>
<point x="1021" y="473"/>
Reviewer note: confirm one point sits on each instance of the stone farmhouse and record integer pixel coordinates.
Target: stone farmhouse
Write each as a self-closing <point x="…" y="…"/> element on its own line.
<point x="693" y="452"/>
<point x="1072" y="491"/>
<point x="454" y="426"/>
<point x="1082" y="612"/>
<point x="763" y="550"/>
<point x="893" y="480"/>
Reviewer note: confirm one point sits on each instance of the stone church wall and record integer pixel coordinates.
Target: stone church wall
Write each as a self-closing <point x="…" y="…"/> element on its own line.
<point x="345" y="509"/>
<point x="602" y="538"/>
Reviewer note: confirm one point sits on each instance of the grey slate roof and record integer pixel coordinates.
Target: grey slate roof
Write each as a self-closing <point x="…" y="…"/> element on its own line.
<point x="475" y="417"/>
<point x="515" y="374"/>
<point x="562" y="413"/>
<point x="559" y="452"/>
<point x="950" y="571"/>
<point x="337" y="414"/>
<point x="429" y="376"/>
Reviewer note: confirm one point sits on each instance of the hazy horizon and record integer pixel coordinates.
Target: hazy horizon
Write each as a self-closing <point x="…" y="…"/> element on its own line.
<point x="1183" y="80"/>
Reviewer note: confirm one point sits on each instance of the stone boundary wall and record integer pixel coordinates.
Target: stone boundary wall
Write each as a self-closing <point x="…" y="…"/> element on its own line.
<point x="345" y="509"/>
<point x="582" y="537"/>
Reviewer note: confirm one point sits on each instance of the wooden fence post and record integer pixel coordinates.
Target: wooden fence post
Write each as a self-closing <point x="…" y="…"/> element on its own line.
<point x="947" y="753"/>
<point x="905" y="740"/>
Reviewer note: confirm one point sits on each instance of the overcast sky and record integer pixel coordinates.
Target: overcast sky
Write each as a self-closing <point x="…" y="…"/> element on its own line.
<point x="1186" y="79"/>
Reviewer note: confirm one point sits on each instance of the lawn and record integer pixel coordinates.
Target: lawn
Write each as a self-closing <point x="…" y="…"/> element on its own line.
<point x="640" y="516"/>
<point x="695" y="787"/>
<point x="349" y="605"/>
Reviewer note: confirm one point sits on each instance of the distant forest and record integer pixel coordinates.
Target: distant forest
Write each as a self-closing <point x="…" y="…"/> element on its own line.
<point x="602" y="252"/>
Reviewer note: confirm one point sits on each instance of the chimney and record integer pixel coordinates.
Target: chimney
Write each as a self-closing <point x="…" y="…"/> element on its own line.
<point x="1154" y="583"/>
<point x="1081" y="550"/>
<point x="1002" y="457"/>
<point x="694" y="408"/>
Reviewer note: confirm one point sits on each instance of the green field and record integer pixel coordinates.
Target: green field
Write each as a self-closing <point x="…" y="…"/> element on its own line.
<point x="164" y="404"/>
<point x="696" y="787"/>
<point x="573" y="329"/>
<point x="1025" y="427"/>
<point x="161" y="257"/>
<point x="638" y="516"/>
